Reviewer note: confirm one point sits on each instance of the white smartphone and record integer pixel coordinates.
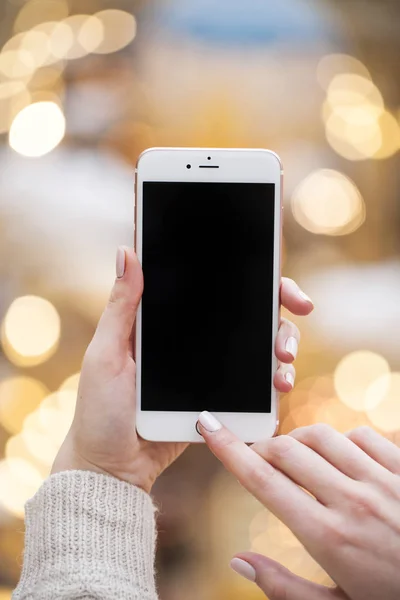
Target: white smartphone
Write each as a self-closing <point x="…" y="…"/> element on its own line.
<point x="208" y="235"/>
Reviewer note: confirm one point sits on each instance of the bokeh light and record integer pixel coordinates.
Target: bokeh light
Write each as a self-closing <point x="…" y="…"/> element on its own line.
<point x="37" y="441"/>
<point x="19" y="396"/>
<point x="327" y="202"/>
<point x="76" y="36"/>
<point x="271" y="537"/>
<point x="339" y="416"/>
<point x="34" y="12"/>
<point x="56" y="413"/>
<point x="37" y="129"/>
<point x="35" y="43"/>
<point x="349" y="90"/>
<point x="336" y="64"/>
<point x="390" y="136"/>
<point x="353" y="376"/>
<point x="71" y="384"/>
<point x="17" y="64"/>
<point x="14" y="96"/>
<point x="383" y="395"/>
<point x="19" y="481"/>
<point x="30" y="331"/>
<point x="119" y="29"/>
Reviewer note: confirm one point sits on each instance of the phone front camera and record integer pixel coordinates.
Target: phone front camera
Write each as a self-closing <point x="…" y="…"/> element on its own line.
<point x="208" y="157"/>
<point x="188" y="166"/>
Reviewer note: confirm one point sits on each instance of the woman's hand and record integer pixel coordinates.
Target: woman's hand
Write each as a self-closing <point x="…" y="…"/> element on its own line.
<point x="340" y="495"/>
<point x="103" y="435"/>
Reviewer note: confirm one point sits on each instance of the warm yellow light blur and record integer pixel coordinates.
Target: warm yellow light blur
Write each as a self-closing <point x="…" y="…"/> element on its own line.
<point x="17" y="64"/>
<point x="19" y="396"/>
<point x="390" y="135"/>
<point x="38" y="11"/>
<point x="56" y="413"/>
<point x="119" y="30"/>
<point x="335" y="64"/>
<point x="37" y="129"/>
<point x="5" y="594"/>
<point x="76" y="36"/>
<point x="383" y="395"/>
<point x="31" y="330"/>
<point x="37" y="440"/>
<point x="355" y="373"/>
<point x="71" y="384"/>
<point x="352" y="114"/>
<point x="11" y="88"/>
<point x="16" y="447"/>
<point x="344" y="139"/>
<point x="35" y="43"/>
<point x="19" y="481"/>
<point x="339" y="416"/>
<point x="270" y="536"/>
<point x="348" y="89"/>
<point x="327" y="202"/>
<point x="48" y="78"/>
<point x="15" y="98"/>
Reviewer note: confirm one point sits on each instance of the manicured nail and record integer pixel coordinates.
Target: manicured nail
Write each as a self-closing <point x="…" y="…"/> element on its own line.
<point x="292" y="346"/>
<point x="209" y="422"/>
<point x="305" y="297"/>
<point x="120" y="262"/>
<point x="290" y="379"/>
<point x="243" y="568"/>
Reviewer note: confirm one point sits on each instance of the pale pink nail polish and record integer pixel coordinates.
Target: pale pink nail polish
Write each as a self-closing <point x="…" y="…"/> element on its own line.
<point x="305" y="297"/>
<point x="290" y="379"/>
<point x="209" y="422"/>
<point x="292" y="346"/>
<point x="243" y="568"/>
<point x="120" y="262"/>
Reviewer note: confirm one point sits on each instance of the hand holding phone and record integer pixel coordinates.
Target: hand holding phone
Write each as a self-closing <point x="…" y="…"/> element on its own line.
<point x="103" y="435"/>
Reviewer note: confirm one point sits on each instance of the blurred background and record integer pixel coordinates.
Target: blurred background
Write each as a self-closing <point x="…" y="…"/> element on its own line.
<point x="85" y="86"/>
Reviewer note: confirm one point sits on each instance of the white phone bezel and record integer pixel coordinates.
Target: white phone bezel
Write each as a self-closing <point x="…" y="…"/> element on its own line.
<point x="235" y="165"/>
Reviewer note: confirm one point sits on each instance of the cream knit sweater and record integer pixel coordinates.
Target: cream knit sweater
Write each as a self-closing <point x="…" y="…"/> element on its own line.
<point x="88" y="536"/>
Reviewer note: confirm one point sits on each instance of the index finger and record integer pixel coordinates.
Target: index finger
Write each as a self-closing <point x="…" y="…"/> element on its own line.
<point x="284" y="498"/>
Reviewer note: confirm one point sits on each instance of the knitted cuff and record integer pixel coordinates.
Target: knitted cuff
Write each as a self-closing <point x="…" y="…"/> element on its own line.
<point x="88" y="534"/>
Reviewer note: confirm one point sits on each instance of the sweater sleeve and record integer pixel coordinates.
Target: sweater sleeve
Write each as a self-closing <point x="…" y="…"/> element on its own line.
<point x="88" y="536"/>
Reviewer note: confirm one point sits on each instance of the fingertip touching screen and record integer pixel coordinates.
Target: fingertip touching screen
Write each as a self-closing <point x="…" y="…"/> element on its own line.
<point x="207" y="307"/>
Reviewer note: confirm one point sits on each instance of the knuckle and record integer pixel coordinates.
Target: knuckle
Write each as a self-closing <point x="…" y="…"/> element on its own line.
<point x="277" y="589"/>
<point x="320" y="432"/>
<point x="261" y="478"/>
<point x="360" y="434"/>
<point x="363" y="504"/>
<point x="281" y="446"/>
<point x="313" y="433"/>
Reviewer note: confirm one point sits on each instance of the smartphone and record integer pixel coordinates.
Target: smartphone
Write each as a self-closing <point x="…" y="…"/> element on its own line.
<point x="208" y="235"/>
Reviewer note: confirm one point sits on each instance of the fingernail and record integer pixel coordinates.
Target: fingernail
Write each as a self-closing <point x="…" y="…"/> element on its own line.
<point x="243" y="568"/>
<point x="120" y="262"/>
<point x="209" y="422"/>
<point x="305" y="297"/>
<point x="290" y="379"/>
<point x="292" y="346"/>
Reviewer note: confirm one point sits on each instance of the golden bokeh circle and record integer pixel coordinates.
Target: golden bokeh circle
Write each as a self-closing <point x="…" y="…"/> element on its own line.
<point x="31" y="330"/>
<point x="354" y="374"/>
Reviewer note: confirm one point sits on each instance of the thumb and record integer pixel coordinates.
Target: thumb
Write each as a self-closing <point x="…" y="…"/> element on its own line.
<point x="116" y="323"/>
<point x="277" y="582"/>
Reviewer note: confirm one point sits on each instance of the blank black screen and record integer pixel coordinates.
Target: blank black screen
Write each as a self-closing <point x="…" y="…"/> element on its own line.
<point x="208" y="296"/>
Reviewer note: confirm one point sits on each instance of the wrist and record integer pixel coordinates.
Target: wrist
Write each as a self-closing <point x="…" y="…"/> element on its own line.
<point x="69" y="459"/>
